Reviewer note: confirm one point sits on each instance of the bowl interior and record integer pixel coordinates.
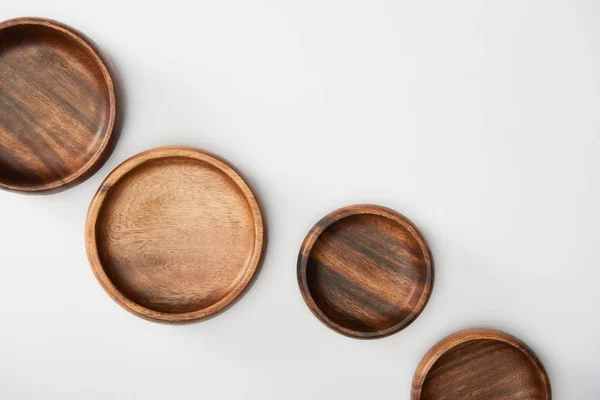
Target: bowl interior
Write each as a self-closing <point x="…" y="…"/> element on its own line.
<point x="175" y="235"/>
<point x="484" y="369"/>
<point x="366" y="273"/>
<point x="54" y="106"/>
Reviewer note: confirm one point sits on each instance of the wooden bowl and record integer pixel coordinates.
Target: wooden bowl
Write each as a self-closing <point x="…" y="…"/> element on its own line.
<point x="174" y="235"/>
<point x="57" y="106"/>
<point x="365" y="271"/>
<point x="480" y="364"/>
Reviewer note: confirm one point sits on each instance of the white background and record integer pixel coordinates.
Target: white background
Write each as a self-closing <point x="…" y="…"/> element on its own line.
<point x="478" y="120"/>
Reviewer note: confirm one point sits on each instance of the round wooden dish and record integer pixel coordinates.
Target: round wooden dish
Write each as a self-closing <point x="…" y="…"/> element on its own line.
<point x="57" y="106"/>
<point x="480" y="364"/>
<point x="174" y="235"/>
<point x="365" y="271"/>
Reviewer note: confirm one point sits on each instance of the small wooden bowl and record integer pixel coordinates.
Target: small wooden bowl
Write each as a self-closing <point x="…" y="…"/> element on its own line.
<point x="174" y="235"/>
<point x="365" y="271"/>
<point x="57" y="106"/>
<point x="480" y="364"/>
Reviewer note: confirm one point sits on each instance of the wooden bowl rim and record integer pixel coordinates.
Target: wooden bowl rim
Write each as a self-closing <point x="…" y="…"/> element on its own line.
<point x="348" y="211"/>
<point x="125" y="168"/>
<point x="467" y="335"/>
<point x="105" y="149"/>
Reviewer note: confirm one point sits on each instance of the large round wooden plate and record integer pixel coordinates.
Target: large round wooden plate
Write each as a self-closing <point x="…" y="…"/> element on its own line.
<point x="174" y="235"/>
<point x="57" y="106"/>
<point x="481" y="364"/>
<point x="365" y="271"/>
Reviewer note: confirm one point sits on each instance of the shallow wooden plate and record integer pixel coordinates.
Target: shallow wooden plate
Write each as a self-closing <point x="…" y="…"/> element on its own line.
<point x="480" y="364"/>
<point x="174" y="235"/>
<point x="365" y="271"/>
<point x="57" y="106"/>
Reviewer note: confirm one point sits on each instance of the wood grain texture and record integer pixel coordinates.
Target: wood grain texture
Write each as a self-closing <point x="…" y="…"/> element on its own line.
<point x="174" y="235"/>
<point x="365" y="271"/>
<point x="58" y="106"/>
<point x="481" y="364"/>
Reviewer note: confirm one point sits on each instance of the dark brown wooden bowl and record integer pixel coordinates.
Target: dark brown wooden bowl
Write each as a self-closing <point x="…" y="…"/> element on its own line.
<point x="480" y="364"/>
<point x="57" y="106"/>
<point x="365" y="271"/>
<point x="174" y="235"/>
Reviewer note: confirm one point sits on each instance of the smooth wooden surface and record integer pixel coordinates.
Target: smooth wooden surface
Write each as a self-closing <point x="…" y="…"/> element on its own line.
<point x="365" y="271"/>
<point x="481" y="364"/>
<point x="174" y="235"/>
<point x="58" y="106"/>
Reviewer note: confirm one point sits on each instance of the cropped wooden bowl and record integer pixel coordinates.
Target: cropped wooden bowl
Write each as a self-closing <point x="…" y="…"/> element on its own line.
<point x="58" y="106"/>
<point x="365" y="271"/>
<point x="174" y="235"/>
<point x="481" y="364"/>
